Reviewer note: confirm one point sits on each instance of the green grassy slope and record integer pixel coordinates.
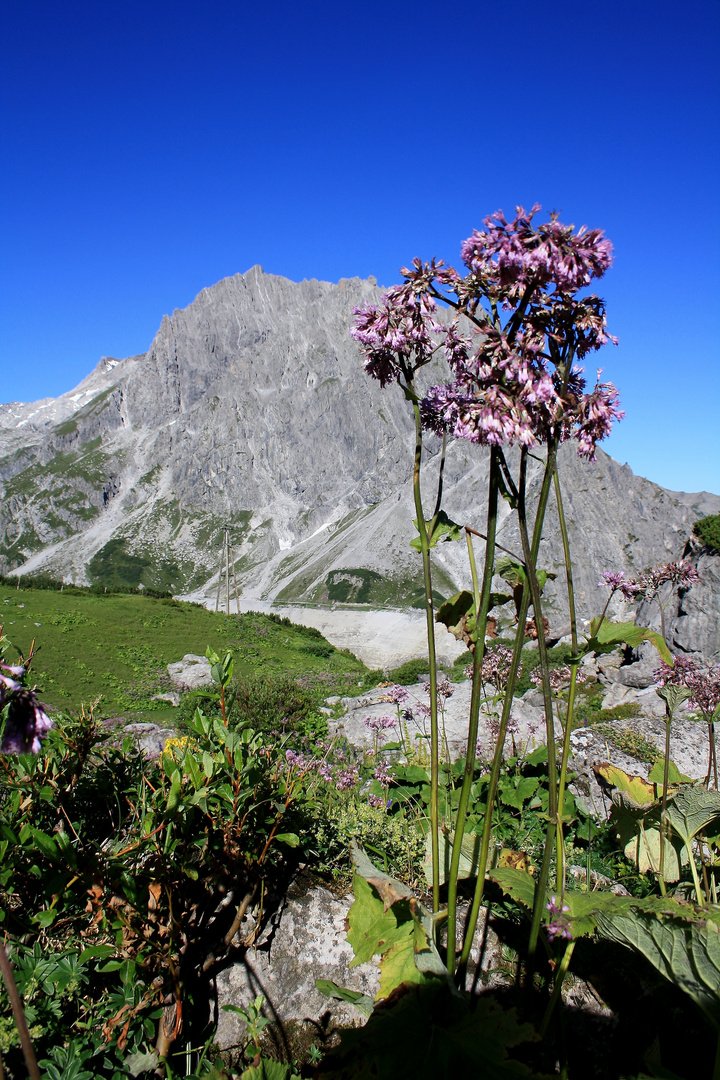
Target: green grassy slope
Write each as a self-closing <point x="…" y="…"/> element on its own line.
<point x="116" y="647"/>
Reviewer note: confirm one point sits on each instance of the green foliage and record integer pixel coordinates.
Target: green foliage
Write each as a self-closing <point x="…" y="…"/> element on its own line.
<point x="707" y="530"/>
<point x="105" y="859"/>
<point x="351" y="586"/>
<point x="444" y="529"/>
<point x="431" y="1033"/>
<point x="395" y="839"/>
<point x="408" y="673"/>
<point x="609" y="633"/>
<point x="275" y="703"/>
<point x="116" y="647"/>
<point x="632" y="743"/>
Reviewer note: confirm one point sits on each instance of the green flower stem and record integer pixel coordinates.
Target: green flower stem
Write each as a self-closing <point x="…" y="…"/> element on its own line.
<point x="666" y="774"/>
<point x="482" y="607"/>
<point x="530" y="555"/>
<point x="557" y="988"/>
<point x="430" y="619"/>
<point x="575" y="660"/>
<point x="494" y="777"/>
<point x="530" y="558"/>
<point x="19" y="1015"/>
<point x="507" y="705"/>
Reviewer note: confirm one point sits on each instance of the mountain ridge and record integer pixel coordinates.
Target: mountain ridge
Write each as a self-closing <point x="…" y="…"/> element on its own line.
<point x="251" y="409"/>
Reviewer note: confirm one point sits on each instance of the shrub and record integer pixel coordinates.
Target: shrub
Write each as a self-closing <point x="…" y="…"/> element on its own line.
<point x="708" y="531"/>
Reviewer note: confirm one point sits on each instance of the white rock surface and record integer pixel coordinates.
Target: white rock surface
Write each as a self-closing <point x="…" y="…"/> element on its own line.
<point x="191" y="672"/>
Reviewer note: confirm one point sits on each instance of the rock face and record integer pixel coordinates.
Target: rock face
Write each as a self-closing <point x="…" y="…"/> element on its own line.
<point x="251" y="410"/>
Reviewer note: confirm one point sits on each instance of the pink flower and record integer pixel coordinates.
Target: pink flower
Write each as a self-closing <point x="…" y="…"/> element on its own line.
<point x="511" y="383"/>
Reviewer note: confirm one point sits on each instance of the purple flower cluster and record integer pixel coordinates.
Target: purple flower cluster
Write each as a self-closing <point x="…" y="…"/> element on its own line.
<point x="298" y="761"/>
<point x="559" y="677"/>
<point x="647" y="584"/>
<point x="559" y="925"/>
<point x="495" y="666"/>
<point x="396" y="695"/>
<point x="347" y="779"/>
<point x="515" y="254"/>
<point x="379" y="725"/>
<point x="395" y="331"/>
<point x="705" y="685"/>
<point x="26" y="722"/>
<point x="512" y="382"/>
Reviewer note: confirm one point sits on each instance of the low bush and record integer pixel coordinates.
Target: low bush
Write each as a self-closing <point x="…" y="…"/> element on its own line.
<point x="707" y="530"/>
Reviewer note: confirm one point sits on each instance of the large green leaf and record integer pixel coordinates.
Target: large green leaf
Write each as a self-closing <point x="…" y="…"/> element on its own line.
<point x="634" y="791"/>
<point x="692" y="809"/>
<point x="657" y="774"/>
<point x="516" y="883"/>
<point x="638" y="830"/>
<point x="610" y="633"/>
<point x="686" y="950"/>
<point x="373" y="929"/>
<point x="390" y="889"/>
<point x="469" y="856"/>
<point x="444" y="529"/>
<point x="397" y="966"/>
<point x="515" y="573"/>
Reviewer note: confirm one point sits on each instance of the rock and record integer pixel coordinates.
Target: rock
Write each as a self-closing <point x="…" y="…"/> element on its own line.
<point x="191" y="672"/>
<point x="527" y="725"/>
<point x="608" y="666"/>
<point x="150" y="738"/>
<point x="173" y="698"/>
<point x="305" y="942"/>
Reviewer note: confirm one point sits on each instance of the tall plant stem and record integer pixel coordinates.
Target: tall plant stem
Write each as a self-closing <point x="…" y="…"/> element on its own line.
<point x="19" y="1015"/>
<point x="482" y="606"/>
<point x="530" y="554"/>
<point x="574" y="661"/>
<point x="504" y="718"/>
<point x="430" y="620"/>
<point x="666" y="780"/>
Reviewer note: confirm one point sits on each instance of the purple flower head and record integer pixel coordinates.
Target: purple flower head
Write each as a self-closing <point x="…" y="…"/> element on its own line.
<point x="647" y="584"/>
<point x="325" y="772"/>
<point x="396" y="694"/>
<point x="347" y="779"/>
<point x="379" y="725"/>
<point x="705" y="684"/>
<point x="614" y="579"/>
<point x="559" y="925"/>
<point x="297" y="761"/>
<point x="510" y="383"/>
<point x="376" y="801"/>
<point x="382" y="774"/>
<point x="26" y="722"/>
<point x="496" y="666"/>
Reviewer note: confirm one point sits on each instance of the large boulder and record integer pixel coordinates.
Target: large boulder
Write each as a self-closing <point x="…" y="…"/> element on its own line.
<point x="191" y="672"/>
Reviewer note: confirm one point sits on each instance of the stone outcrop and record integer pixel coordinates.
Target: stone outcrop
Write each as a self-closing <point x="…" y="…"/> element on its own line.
<point x="191" y="672"/>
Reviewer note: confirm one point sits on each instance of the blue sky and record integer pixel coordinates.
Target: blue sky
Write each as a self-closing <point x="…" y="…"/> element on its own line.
<point x="152" y="148"/>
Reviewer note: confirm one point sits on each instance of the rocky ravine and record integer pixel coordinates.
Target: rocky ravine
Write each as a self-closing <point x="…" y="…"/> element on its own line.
<point x="251" y="409"/>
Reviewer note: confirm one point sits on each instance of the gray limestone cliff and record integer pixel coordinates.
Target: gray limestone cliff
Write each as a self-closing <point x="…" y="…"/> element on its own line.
<point x="251" y="409"/>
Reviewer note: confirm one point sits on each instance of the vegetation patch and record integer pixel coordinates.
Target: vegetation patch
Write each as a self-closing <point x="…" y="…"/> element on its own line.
<point x="116" y="646"/>
<point x="707" y="531"/>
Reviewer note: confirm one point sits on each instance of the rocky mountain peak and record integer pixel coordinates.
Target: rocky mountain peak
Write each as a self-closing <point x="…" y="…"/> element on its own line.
<point x="251" y="409"/>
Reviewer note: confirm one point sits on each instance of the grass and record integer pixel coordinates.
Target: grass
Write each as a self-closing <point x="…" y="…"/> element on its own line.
<point x="116" y="647"/>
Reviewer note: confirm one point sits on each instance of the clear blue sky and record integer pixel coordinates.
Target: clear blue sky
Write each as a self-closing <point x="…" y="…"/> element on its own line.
<point x="151" y="148"/>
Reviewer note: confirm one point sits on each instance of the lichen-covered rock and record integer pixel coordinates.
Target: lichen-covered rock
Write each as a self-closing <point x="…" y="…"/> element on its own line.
<point x="305" y="942"/>
<point x="191" y="672"/>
